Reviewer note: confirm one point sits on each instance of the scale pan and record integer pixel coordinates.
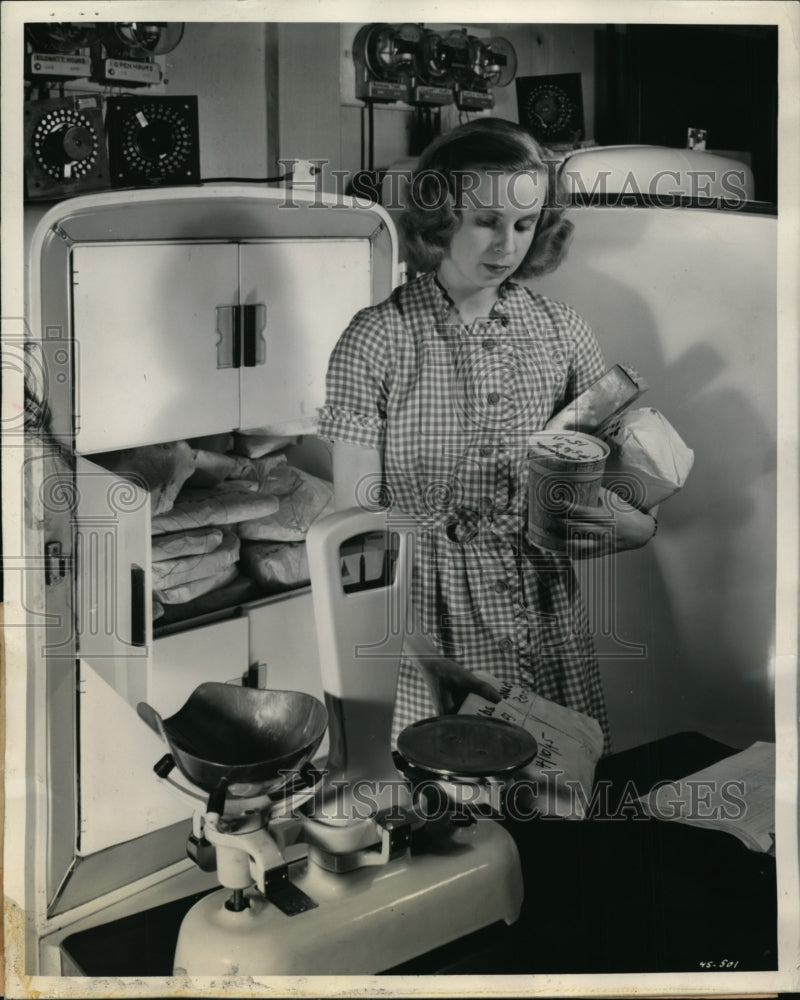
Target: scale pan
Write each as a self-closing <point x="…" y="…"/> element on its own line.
<point x="466" y="746"/>
<point x="247" y="738"/>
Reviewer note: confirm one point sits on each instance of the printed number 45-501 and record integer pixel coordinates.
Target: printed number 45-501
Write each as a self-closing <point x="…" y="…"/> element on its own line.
<point x="724" y="963"/>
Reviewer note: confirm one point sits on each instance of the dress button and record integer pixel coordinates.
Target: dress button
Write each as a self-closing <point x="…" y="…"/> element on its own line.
<point x="493" y="398"/>
<point x="558" y="378"/>
<point x="506" y="645"/>
<point x="558" y="357"/>
<point x="488" y="345"/>
<point x="500" y="587"/>
<point x="486" y="450"/>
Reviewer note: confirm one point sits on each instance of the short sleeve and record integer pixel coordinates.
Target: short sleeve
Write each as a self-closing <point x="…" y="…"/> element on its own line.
<point x="588" y="363"/>
<point x="356" y="385"/>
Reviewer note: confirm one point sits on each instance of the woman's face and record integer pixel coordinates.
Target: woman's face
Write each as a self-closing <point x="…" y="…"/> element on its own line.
<point x="495" y="230"/>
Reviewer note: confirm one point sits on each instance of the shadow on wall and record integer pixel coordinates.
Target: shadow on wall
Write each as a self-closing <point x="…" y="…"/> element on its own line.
<point x="687" y="297"/>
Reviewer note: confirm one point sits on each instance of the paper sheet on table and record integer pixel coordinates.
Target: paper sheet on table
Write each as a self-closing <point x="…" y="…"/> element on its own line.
<point x="736" y="795"/>
<point x="569" y="746"/>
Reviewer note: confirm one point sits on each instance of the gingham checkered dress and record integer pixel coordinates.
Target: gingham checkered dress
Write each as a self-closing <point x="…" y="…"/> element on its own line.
<point x="451" y="408"/>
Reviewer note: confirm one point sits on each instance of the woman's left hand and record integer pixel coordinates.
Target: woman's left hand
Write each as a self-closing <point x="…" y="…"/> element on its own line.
<point x="612" y="526"/>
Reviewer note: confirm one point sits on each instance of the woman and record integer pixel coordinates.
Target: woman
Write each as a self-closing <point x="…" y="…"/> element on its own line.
<point x="431" y="398"/>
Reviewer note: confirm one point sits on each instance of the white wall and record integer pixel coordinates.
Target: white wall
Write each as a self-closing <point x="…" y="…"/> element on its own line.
<point x="225" y="65"/>
<point x="689" y="298"/>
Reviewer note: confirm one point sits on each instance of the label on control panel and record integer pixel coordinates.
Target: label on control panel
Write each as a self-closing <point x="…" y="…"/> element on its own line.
<point x="47" y="65"/>
<point x="126" y="71"/>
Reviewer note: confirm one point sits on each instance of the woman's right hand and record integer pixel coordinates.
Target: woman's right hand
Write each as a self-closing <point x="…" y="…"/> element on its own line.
<point x="448" y="680"/>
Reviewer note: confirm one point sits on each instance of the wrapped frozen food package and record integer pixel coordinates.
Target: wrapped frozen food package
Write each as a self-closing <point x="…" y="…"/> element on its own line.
<point x="186" y="543"/>
<point x="212" y="467"/>
<point x="609" y="395"/>
<point x="275" y="476"/>
<point x="226" y="503"/>
<point x="648" y="461"/>
<point x="238" y="591"/>
<point x="163" y="468"/>
<point x="214" y="442"/>
<point x="188" y="591"/>
<point x="302" y="497"/>
<point x="275" y="566"/>
<point x="569" y="744"/>
<point x="254" y="444"/>
<point x="185" y="569"/>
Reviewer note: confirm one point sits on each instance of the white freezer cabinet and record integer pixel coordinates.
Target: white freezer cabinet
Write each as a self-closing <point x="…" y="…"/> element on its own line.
<point x="173" y="314"/>
<point x="162" y="315"/>
<point x="180" y="340"/>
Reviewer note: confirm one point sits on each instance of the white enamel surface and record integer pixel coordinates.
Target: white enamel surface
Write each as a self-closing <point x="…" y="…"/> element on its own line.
<point x="366" y="921"/>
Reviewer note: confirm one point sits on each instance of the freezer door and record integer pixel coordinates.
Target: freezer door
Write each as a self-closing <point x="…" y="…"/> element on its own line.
<point x="310" y="289"/>
<point x="112" y="578"/>
<point x="152" y="328"/>
<point x="120" y="797"/>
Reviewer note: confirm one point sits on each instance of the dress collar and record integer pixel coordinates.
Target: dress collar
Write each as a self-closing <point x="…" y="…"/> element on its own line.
<point x="444" y="304"/>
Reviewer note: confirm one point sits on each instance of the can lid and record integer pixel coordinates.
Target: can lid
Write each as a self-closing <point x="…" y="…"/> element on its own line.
<point x="574" y="446"/>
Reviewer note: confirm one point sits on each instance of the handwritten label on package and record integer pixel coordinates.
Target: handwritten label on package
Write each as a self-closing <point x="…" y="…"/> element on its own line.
<point x="569" y="744"/>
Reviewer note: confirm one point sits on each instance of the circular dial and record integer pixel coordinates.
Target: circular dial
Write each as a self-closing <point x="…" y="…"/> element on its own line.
<point x="156" y="141"/>
<point x="62" y="37"/>
<point x="494" y="64"/>
<point x="65" y="144"/>
<point x="431" y="62"/>
<point x="549" y="110"/>
<point x="390" y="51"/>
<point x="137" y="38"/>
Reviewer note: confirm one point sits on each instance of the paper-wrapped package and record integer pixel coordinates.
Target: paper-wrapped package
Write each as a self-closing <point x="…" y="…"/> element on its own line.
<point x="254" y="444"/>
<point x="649" y="461"/>
<point x="212" y="467"/>
<point x="238" y="591"/>
<point x="186" y="543"/>
<point x="569" y="744"/>
<point x="163" y="468"/>
<point x="195" y="588"/>
<point x="302" y="497"/>
<point x="275" y="566"/>
<point x="187" y="569"/>
<point x="227" y="503"/>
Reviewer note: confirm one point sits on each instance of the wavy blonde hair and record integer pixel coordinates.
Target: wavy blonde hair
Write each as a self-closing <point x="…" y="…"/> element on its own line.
<point x="431" y="214"/>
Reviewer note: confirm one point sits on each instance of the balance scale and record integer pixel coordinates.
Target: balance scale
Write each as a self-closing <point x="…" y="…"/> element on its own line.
<point x="356" y="868"/>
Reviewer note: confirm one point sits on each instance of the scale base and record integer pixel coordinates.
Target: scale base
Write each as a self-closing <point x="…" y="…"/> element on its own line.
<point x="366" y="921"/>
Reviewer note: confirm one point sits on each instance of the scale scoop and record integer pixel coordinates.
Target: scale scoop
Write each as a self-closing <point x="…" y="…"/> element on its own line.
<point x="246" y="740"/>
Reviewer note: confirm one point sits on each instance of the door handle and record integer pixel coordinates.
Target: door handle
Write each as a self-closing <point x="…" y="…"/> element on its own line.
<point x="228" y="338"/>
<point x="240" y="342"/>
<point x="253" y="321"/>
<point x="138" y="607"/>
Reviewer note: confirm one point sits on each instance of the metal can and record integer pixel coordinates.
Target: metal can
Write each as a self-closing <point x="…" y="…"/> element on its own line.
<point x="564" y="468"/>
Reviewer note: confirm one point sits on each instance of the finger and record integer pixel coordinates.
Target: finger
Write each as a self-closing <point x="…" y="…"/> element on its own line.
<point x="599" y="545"/>
<point x="581" y="512"/>
<point x="486" y="691"/>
